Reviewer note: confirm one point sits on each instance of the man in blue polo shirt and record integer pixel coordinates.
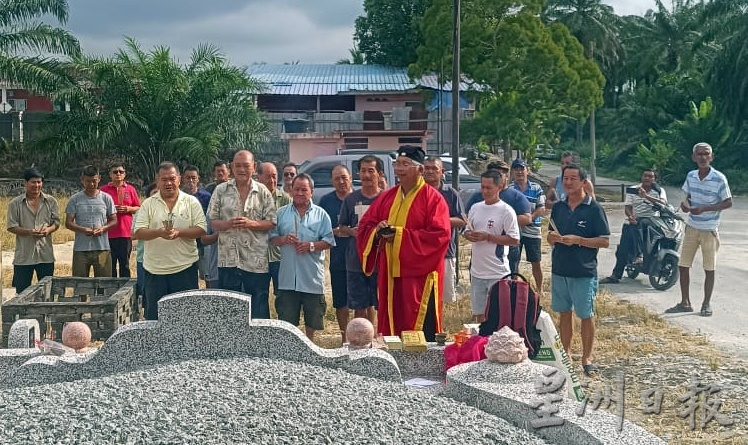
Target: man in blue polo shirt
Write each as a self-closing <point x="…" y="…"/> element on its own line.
<point x="531" y="236"/>
<point x="707" y="194"/>
<point x="578" y="228"/>
<point x="516" y="201"/>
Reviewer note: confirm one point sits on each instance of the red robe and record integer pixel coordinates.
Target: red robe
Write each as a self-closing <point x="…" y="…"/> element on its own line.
<point x="411" y="267"/>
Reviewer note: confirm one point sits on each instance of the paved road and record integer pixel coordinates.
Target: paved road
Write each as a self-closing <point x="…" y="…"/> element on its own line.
<point x="728" y="327"/>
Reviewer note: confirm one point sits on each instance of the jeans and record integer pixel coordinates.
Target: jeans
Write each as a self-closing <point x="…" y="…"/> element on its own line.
<point x="254" y="284"/>
<point x="121" y="249"/>
<point x="628" y="249"/>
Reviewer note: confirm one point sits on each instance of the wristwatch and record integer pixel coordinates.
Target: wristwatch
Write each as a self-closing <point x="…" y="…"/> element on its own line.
<point x="311" y="247"/>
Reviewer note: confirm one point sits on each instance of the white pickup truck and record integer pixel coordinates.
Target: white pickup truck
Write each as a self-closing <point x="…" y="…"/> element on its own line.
<point x="320" y="169"/>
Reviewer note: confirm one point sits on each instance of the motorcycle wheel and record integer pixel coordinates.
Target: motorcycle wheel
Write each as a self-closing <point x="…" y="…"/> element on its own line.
<point x="632" y="271"/>
<point x="666" y="275"/>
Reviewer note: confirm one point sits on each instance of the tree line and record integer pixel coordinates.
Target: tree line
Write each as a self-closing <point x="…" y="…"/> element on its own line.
<point x="659" y="82"/>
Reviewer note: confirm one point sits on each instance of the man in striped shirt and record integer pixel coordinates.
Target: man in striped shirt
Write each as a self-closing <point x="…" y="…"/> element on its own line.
<point x="707" y="194"/>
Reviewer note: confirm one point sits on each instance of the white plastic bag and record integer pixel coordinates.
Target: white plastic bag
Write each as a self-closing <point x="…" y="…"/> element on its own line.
<point x="552" y="353"/>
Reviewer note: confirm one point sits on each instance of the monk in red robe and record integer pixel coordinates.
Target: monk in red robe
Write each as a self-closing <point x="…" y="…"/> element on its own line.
<point x="403" y="237"/>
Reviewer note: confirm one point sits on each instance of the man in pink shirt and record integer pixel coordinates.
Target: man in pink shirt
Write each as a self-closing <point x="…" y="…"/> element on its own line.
<point x="126" y="202"/>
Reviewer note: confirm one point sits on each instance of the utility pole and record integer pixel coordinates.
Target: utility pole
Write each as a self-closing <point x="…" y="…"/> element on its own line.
<point x="456" y="80"/>
<point x="593" y="156"/>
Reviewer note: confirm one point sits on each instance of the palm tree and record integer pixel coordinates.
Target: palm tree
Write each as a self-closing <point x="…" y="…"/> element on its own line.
<point x="145" y="107"/>
<point x="27" y="45"/>
<point x="357" y="57"/>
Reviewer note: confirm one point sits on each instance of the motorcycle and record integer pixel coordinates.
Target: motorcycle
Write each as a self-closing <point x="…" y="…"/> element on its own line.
<point x="661" y="239"/>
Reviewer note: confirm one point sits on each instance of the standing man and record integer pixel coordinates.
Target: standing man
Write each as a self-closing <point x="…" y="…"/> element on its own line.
<point x="126" y="202"/>
<point x="303" y="233"/>
<point x="530" y="235"/>
<point x="32" y="218"/>
<point x="433" y="172"/>
<point x="267" y="174"/>
<point x="516" y="201"/>
<point x="637" y="208"/>
<point x="90" y="214"/>
<point x="707" y="194"/>
<point x="168" y="223"/>
<point x="220" y="175"/>
<point x="556" y="190"/>
<point x="289" y="172"/>
<point x="331" y="203"/>
<point x="191" y="185"/>
<point x="493" y="227"/>
<point x="242" y="211"/>
<point x="405" y="233"/>
<point x="362" y="288"/>
<point x="581" y="229"/>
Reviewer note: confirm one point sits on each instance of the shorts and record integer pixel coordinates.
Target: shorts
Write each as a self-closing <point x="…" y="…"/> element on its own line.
<point x="448" y="296"/>
<point x="338" y="283"/>
<point x="574" y="292"/>
<point x="289" y="303"/>
<point x="708" y="240"/>
<point x="479" y="288"/>
<point x="362" y="291"/>
<point x="532" y="248"/>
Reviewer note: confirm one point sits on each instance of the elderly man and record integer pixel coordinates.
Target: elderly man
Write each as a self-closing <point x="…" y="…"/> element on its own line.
<point x="406" y="233"/>
<point x="362" y="288"/>
<point x="331" y="203"/>
<point x="303" y="233"/>
<point x="242" y="211"/>
<point x="579" y="228"/>
<point x="433" y="172"/>
<point x="289" y="172"/>
<point x="32" y="217"/>
<point x="707" y="194"/>
<point x="168" y="224"/>
<point x="90" y="214"/>
<point x="530" y="236"/>
<point x="637" y="208"/>
<point x="126" y="202"/>
<point x="268" y="175"/>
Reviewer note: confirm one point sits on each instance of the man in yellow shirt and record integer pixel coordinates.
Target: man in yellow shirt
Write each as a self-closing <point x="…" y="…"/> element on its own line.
<point x="168" y="223"/>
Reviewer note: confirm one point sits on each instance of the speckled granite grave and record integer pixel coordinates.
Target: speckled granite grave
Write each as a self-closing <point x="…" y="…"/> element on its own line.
<point x="204" y="324"/>
<point x="509" y="391"/>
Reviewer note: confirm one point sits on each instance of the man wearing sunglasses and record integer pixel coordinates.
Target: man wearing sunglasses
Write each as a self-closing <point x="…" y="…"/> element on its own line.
<point x="126" y="203"/>
<point x="289" y="172"/>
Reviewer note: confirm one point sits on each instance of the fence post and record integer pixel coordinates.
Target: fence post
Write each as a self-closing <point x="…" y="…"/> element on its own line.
<point x="623" y="192"/>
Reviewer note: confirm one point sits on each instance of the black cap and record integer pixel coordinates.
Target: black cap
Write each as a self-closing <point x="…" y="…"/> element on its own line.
<point x="413" y="152"/>
<point x="519" y="162"/>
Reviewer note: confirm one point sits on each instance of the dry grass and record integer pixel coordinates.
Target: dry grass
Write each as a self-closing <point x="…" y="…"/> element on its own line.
<point x="8" y="240"/>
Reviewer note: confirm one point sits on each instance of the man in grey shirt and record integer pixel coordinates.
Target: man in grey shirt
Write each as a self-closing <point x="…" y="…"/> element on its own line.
<point x="90" y="213"/>
<point x="32" y="218"/>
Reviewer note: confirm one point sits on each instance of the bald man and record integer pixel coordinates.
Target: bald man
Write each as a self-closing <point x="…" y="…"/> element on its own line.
<point x="242" y="211"/>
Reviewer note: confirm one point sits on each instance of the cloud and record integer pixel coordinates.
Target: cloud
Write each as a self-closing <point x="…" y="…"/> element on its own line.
<point x="319" y="31"/>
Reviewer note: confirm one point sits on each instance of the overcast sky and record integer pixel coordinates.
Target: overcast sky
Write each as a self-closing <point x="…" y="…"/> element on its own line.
<point x="247" y="31"/>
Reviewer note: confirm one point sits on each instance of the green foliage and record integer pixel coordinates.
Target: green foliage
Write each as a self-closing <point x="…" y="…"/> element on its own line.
<point x="659" y="156"/>
<point x="27" y="45"/>
<point x="531" y="75"/>
<point x="146" y="108"/>
<point x="388" y="34"/>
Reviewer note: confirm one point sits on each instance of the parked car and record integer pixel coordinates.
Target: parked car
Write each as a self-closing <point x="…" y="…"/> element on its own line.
<point x="320" y="169"/>
<point x="545" y="151"/>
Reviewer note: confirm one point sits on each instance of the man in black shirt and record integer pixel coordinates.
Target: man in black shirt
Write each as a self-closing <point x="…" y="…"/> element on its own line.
<point x="578" y="229"/>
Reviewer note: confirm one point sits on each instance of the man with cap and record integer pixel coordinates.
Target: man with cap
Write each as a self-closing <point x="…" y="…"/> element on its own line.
<point x="530" y="236"/>
<point x="406" y="233"/>
<point x="516" y="201"/>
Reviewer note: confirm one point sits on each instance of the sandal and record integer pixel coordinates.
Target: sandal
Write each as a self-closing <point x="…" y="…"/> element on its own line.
<point x="590" y="370"/>
<point x="678" y="308"/>
<point x="706" y="311"/>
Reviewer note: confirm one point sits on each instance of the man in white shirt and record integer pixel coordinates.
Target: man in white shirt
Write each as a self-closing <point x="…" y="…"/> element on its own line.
<point x="637" y="207"/>
<point x="492" y="227"/>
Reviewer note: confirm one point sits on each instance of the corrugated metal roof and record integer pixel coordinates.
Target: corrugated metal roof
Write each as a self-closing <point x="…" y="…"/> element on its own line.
<point x="330" y="80"/>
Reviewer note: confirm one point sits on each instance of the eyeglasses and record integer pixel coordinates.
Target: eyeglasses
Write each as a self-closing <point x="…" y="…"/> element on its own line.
<point x="289" y="175"/>
<point x="118" y="172"/>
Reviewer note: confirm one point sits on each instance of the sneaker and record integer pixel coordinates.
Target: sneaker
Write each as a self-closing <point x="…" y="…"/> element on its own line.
<point x="706" y="311"/>
<point x="610" y="280"/>
<point x="678" y="308"/>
